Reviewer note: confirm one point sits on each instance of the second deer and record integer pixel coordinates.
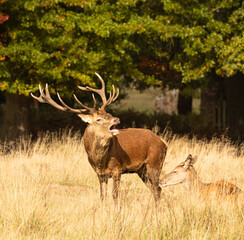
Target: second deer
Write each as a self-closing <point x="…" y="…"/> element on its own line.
<point x="186" y="174"/>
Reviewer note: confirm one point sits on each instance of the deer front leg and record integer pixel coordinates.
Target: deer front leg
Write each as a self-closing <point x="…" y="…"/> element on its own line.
<point x="116" y="183"/>
<point x="103" y="180"/>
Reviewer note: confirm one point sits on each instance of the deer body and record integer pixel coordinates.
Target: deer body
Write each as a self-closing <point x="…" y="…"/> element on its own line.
<point x="119" y="151"/>
<point x="131" y="151"/>
<point x="220" y="188"/>
<point x="112" y="152"/>
<point x="186" y="175"/>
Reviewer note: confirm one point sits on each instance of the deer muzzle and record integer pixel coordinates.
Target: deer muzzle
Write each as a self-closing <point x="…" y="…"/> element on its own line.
<point x="112" y="129"/>
<point x="116" y="121"/>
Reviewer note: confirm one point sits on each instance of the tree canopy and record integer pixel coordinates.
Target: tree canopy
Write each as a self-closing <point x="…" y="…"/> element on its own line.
<point x="63" y="42"/>
<point x="210" y="35"/>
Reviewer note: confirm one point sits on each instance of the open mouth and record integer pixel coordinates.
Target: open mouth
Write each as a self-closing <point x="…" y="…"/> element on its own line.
<point x="113" y="130"/>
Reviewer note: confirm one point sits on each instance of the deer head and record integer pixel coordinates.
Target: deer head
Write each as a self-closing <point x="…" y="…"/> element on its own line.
<point x="101" y="120"/>
<point x="180" y="174"/>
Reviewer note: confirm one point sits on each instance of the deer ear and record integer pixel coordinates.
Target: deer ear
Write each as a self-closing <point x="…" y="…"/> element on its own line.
<point x="86" y="118"/>
<point x="188" y="161"/>
<point x="194" y="160"/>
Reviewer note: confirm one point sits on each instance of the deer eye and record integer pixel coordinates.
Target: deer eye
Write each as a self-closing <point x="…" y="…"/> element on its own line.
<point x="99" y="120"/>
<point x="174" y="171"/>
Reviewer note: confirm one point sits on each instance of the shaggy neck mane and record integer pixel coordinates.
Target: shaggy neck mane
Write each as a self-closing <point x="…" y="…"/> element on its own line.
<point x="96" y="144"/>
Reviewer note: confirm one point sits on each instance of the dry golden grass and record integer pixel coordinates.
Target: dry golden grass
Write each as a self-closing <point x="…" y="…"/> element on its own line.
<point x="49" y="191"/>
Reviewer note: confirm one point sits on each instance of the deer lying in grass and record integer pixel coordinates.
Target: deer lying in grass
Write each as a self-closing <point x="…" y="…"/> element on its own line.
<point x="112" y="152"/>
<point x="186" y="174"/>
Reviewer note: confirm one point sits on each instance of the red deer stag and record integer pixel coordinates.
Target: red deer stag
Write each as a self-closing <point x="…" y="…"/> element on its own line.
<point x="186" y="174"/>
<point x="112" y="152"/>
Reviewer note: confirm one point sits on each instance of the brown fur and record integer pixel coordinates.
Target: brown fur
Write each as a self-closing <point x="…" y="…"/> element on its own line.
<point x="112" y="152"/>
<point x="222" y="188"/>
<point x="131" y="151"/>
<point x="186" y="174"/>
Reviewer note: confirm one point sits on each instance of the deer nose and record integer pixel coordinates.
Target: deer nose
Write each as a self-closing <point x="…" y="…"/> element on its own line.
<point x="116" y="120"/>
<point x="162" y="184"/>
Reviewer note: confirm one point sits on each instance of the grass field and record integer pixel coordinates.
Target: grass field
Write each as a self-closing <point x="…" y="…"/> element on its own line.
<point x="49" y="191"/>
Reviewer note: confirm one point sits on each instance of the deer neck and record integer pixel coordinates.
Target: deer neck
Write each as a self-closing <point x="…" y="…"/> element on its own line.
<point x="193" y="181"/>
<point x="96" y="143"/>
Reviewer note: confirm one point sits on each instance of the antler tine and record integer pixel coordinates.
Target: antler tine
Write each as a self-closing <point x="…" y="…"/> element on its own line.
<point x="109" y="100"/>
<point x="116" y="95"/>
<point x="39" y="99"/>
<point x="113" y="97"/>
<point x="69" y="108"/>
<point x="95" y="101"/>
<point x="102" y="81"/>
<point x="46" y="98"/>
<point x="77" y="100"/>
<point x="46" y="91"/>
<point x="101" y="92"/>
<point x="84" y="106"/>
<point x="98" y="91"/>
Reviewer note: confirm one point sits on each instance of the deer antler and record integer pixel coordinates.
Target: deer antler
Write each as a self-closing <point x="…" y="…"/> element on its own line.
<point x="102" y="94"/>
<point x="46" y="98"/>
<point x="84" y="106"/>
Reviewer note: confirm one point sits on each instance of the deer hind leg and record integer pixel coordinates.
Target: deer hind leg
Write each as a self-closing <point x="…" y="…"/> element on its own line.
<point x="103" y="180"/>
<point x="151" y="179"/>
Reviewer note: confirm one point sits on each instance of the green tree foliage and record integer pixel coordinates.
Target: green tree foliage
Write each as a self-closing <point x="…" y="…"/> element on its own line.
<point x="63" y="42"/>
<point x="208" y="36"/>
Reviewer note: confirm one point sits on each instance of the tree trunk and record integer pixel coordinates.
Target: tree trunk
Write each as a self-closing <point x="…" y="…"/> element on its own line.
<point x="234" y="87"/>
<point x="213" y="104"/>
<point x="184" y="104"/>
<point x="209" y="102"/>
<point x="222" y="105"/>
<point x="16" y="117"/>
